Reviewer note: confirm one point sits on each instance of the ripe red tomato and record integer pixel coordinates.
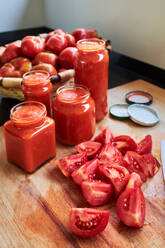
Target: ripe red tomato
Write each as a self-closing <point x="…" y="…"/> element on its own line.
<point x="32" y="45"/>
<point x="56" y="43"/>
<point x="136" y="164"/>
<point x="111" y="154"/>
<point x="46" y="57"/>
<point x="85" y="172"/>
<point x="105" y="137"/>
<point x="79" y="34"/>
<point x="56" y="31"/>
<point x="115" y="174"/>
<point x="92" y="33"/>
<point x="131" y="207"/>
<point x="12" y="51"/>
<point x="45" y="67"/>
<point x="91" y="148"/>
<point x="70" y="40"/>
<point x="96" y="193"/>
<point x="69" y="164"/>
<point x="124" y="143"/>
<point x="145" y="145"/>
<point x="151" y="163"/>
<point x="87" y="222"/>
<point x="67" y="57"/>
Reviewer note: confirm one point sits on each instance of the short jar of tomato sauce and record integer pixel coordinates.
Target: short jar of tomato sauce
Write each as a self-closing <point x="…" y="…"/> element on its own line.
<point x="91" y="69"/>
<point x="74" y="113"/>
<point x="29" y="135"/>
<point x="37" y="87"/>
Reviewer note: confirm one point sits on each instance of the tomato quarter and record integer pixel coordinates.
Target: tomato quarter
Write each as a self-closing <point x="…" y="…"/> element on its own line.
<point x="145" y="145"/>
<point x="90" y="147"/>
<point x="105" y="137"/>
<point x="124" y="143"/>
<point x="151" y="163"/>
<point x="87" y="222"/>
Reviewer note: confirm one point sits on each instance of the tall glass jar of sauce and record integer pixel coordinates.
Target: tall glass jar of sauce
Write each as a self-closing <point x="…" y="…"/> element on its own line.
<point x="91" y="70"/>
<point x="74" y="113"/>
<point x="29" y="135"/>
<point x="37" y="87"/>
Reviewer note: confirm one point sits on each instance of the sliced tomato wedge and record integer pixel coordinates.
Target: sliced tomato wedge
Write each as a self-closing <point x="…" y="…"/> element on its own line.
<point x="69" y="164"/>
<point x="86" y="171"/>
<point x="151" y="163"/>
<point x="136" y="164"/>
<point x="116" y="174"/>
<point x="105" y="137"/>
<point x="131" y="207"/>
<point x="87" y="222"/>
<point x="96" y="193"/>
<point x="91" y="148"/>
<point x="111" y="154"/>
<point x="134" y="181"/>
<point x="124" y="143"/>
<point x="145" y="145"/>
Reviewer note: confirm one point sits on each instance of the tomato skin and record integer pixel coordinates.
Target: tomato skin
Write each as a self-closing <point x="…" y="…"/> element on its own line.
<point x="92" y="33"/>
<point x="136" y="164"/>
<point x="96" y="193"/>
<point x="151" y="163"/>
<point x="69" y="164"/>
<point x="124" y="143"/>
<point x="105" y="137"/>
<point x="115" y="174"/>
<point x="95" y="221"/>
<point x="67" y="57"/>
<point x="91" y="148"/>
<point x="131" y="207"/>
<point x="12" y="51"/>
<point x="134" y="181"/>
<point x="71" y="42"/>
<point x="56" y="43"/>
<point x="46" y="57"/>
<point x="32" y="45"/>
<point x="86" y="171"/>
<point x="45" y="67"/>
<point x="79" y="34"/>
<point x="145" y="145"/>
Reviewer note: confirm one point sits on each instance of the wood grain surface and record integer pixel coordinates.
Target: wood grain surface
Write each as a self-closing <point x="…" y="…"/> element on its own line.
<point x="34" y="208"/>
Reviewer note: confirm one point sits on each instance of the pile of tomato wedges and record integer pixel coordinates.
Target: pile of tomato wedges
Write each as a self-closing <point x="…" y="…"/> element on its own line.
<point x="109" y="167"/>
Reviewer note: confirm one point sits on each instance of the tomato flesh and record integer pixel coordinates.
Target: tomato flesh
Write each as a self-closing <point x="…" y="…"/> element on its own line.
<point x="151" y="164"/>
<point x="69" y="164"/>
<point x="90" y="147"/>
<point x="145" y="145"/>
<point x="86" y="171"/>
<point x="116" y="174"/>
<point x="136" y="164"/>
<point x="134" y="181"/>
<point x="131" y="207"/>
<point x="105" y="137"/>
<point x="124" y="143"/>
<point x="87" y="222"/>
<point x="96" y="192"/>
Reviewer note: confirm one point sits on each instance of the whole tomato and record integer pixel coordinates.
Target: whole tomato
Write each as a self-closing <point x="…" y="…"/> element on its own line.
<point x="12" y="51"/>
<point x="56" y="43"/>
<point x="32" y="45"/>
<point x="46" y="57"/>
<point x="67" y="57"/>
<point x="79" y="34"/>
<point x="70" y="40"/>
<point x="45" y="67"/>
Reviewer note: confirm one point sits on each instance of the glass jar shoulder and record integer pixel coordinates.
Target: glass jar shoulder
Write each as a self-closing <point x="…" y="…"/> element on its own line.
<point x="92" y="57"/>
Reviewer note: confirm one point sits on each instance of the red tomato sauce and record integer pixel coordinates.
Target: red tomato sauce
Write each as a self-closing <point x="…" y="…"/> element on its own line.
<point x="91" y="70"/>
<point x="37" y="87"/>
<point x="74" y="113"/>
<point x="29" y="136"/>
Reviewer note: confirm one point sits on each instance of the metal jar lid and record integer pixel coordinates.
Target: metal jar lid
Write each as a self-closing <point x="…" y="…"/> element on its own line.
<point x="138" y="97"/>
<point x="119" y="111"/>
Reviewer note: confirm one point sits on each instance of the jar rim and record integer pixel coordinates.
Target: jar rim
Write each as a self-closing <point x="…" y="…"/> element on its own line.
<point x="90" y="44"/>
<point x="74" y="86"/>
<point x="28" y="119"/>
<point x="35" y="82"/>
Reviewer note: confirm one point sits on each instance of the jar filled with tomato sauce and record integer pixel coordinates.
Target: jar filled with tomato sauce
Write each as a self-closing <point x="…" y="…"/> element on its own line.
<point x="37" y="87"/>
<point x="74" y="113"/>
<point x="29" y="135"/>
<point x="91" y="69"/>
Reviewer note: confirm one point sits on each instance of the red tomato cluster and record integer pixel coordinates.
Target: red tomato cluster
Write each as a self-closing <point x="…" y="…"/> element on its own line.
<point x="109" y="167"/>
<point x="54" y="53"/>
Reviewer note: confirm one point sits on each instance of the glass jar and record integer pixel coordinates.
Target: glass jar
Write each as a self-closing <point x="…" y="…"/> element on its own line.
<point x="37" y="87"/>
<point x="74" y="114"/>
<point x="91" y="69"/>
<point x="29" y="135"/>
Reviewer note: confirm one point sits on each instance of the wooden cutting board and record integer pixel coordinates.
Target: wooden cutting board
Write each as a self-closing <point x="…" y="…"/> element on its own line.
<point x="34" y="208"/>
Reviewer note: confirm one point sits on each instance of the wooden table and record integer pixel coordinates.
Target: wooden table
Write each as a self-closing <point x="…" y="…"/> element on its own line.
<point x="34" y="208"/>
